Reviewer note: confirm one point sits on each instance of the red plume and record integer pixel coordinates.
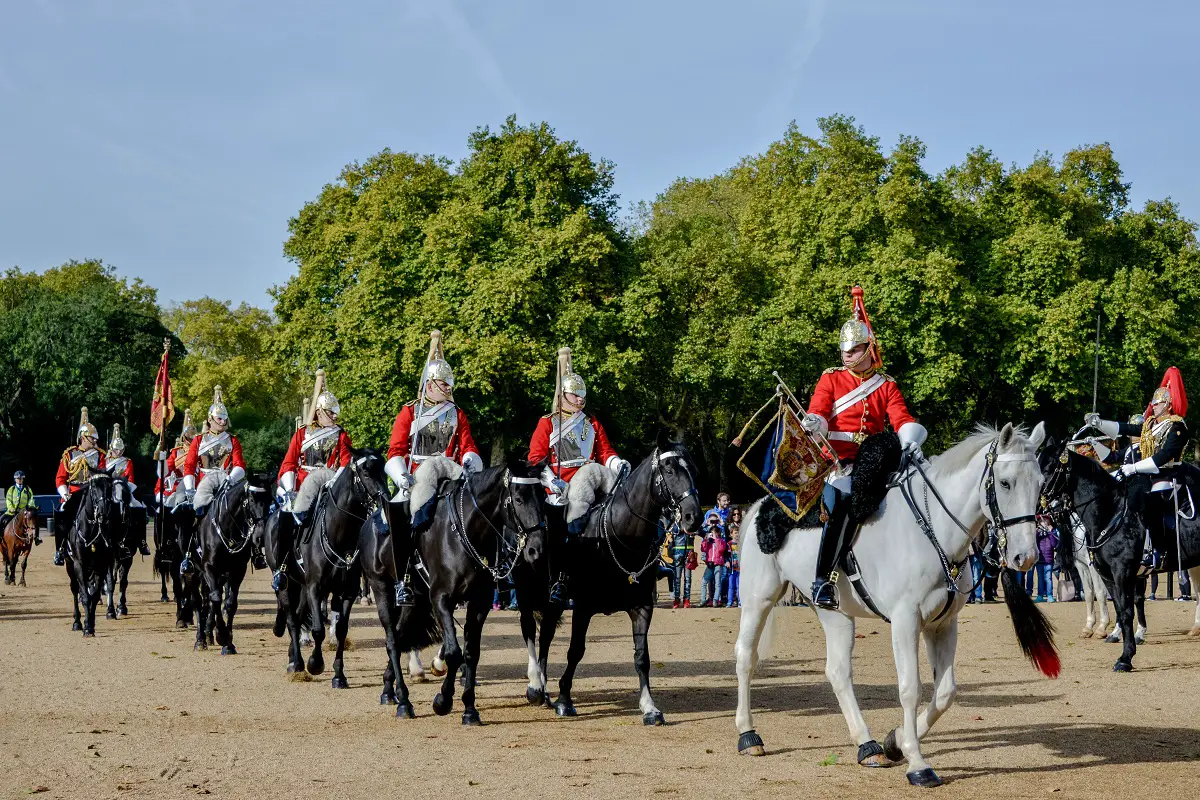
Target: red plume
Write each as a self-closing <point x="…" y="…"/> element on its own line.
<point x="1173" y="380"/>
<point x="859" y="311"/>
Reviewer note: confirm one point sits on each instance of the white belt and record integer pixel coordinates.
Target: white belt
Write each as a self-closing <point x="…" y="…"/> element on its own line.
<point x="574" y="462"/>
<point x="307" y="468"/>
<point x="842" y="436"/>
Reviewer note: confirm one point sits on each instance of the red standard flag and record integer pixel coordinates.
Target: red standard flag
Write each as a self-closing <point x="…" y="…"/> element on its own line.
<point x="162" y="407"/>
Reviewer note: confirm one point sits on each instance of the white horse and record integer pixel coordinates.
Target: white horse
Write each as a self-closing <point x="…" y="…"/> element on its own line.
<point x="906" y="581"/>
<point x="1093" y="589"/>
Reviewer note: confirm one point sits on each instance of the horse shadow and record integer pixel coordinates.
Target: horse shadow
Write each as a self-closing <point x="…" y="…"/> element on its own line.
<point x="1082" y="745"/>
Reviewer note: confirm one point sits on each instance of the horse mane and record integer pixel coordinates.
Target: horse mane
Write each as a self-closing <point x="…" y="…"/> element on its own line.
<point x="959" y="455"/>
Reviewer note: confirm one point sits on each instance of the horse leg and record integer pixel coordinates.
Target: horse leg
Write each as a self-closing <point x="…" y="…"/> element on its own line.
<point x="839" y="670"/>
<point x="940" y="645"/>
<point x="91" y="592"/>
<point x="906" y="628"/>
<point x="122" y="604"/>
<point x="416" y="670"/>
<point x="443" y="701"/>
<point x="202" y="612"/>
<point x="162" y="577"/>
<point x="1088" y="590"/>
<point x="1194" y="577"/>
<point x="580" y="620"/>
<point x="1139" y="603"/>
<point x="216" y="614"/>
<point x="24" y="564"/>
<point x="110" y="589"/>
<point x="477" y="611"/>
<point x="1100" y="593"/>
<point x="316" y="661"/>
<point x="292" y="615"/>
<point x="231" y="605"/>
<point x="345" y="604"/>
<point x="640" y="617"/>
<point x="1123" y="585"/>
<point x="392" y="674"/>
<point x="535" y="691"/>
<point x="549" y="625"/>
<point x="76" y="598"/>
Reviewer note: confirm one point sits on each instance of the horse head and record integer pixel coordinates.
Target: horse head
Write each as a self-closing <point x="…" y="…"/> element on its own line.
<point x="674" y="479"/>
<point x="526" y="501"/>
<point x="96" y="508"/>
<point x="370" y="483"/>
<point x="1011" y="489"/>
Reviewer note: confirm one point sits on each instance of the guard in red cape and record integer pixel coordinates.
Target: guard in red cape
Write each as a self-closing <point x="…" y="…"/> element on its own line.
<point x="1151" y="478"/>
<point x="166" y="489"/>
<point x="319" y="447"/>
<point x="569" y="437"/>
<point x="429" y="426"/>
<point x="72" y="474"/>
<point x="121" y="467"/>
<point x="214" y="457"/>
<point x="850" y="403"/>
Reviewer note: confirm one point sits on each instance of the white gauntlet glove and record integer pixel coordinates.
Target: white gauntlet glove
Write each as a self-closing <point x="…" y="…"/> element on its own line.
<point x="1107" y="427"/>
<point x="815" y="423"/>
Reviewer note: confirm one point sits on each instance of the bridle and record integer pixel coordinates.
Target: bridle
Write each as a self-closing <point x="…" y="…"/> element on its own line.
<point x="372" y="500"/>
<point x="1058" y="487"/>
<point x="663" y="498"/>
<point x="243" y="510"/>
<point x="95" y="512"/>
<point x="22" y="528"/>
<point x="510" y="520"/>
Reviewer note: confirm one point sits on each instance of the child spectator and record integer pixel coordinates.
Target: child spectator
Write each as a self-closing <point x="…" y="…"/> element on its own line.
<point x="683" y="556"/>
<point x="714" y="548"/>
<point x="734" y="567"/>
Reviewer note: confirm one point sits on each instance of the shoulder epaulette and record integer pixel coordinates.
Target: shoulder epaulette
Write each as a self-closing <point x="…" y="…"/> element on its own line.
<point x="887" y="377"/>
<point x="832" y="370"/>
<point x="411" y="403"/>
<point x="1176" y="418"/>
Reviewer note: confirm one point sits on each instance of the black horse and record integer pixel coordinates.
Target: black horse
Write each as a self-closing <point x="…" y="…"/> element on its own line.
<point x="472" y="532"/>
<point x="223" y="537"/>
<point x="1116" y="536"/>
<point x="173" y="529"/>
<point x="612" y="564"/>
<point x="89" y="545"/>
<point x="129" y="523"/>
<point x="320" y="564"/>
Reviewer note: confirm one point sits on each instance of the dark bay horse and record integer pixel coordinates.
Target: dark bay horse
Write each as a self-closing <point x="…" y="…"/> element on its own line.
<point x="127" y="534"/>
<point x="612" y="566"/>
<point x="223" y="536"/>
<point x="474" y="534"/>
<point x="1116" y="537"/>
<point x="320" y="564"/>
<point x="16" y="541"/>
<point x="89" y="545"/>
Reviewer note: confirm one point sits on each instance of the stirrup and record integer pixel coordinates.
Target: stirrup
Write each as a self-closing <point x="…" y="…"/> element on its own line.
<point x="824" y="595"/>
<point x="59" y="560"/>
<point x="558" y="592"/>
<point x="278" y="579"/>
<point x="404" y="595"/>
<point x="144" y="548"/>
<point x="185" y="566"/>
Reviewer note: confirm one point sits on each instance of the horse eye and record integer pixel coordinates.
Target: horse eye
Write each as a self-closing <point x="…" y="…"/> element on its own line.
<point x="1005" y="485"/>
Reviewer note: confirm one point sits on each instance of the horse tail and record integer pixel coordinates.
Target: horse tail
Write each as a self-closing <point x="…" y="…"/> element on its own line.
<point x="760" y="575"/>
<point x="418" y="626"/>
<point x="1034" y="632"/>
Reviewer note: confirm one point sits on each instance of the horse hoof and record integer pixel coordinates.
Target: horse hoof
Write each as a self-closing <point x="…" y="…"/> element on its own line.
<point x="123" y="611"/>
<point x="1112" y="638"/>
<point x="436" y="671"/>
<point x="1195" y="631"/>
<point x="200" y="645"/>
<point x="110" y="615"/>
<point x="181" y="624"/>
<point x="89" y="634"/>
<point x="405" y="711"/>
<point x="870" y="754"/>
<point x="22" y="583"/>
<point x="441" y="706"/>
<point x="1086" y="634"/>
<point x="278" y="629"/>
<point x="891" y="749"/>
<point x="417" y="678"/>
<point x="75" y="626"/>
<point x="535" y="696"/>
<point x="340" y="682"/>
<point x="751" y="744"/>
<point x="924" y="778"/>
<point x="1121" y="666"/>
<point x="164" y="599"/>
<point x="653" y="718"/>
<point x="471" y="717"/>
<point x="316" y="665"/>
<point x="387" y="699"/>
<point x="295" y="666"/>
<point x="229" y="650"/>
<point x="1139" y="639"/>
<point x="564" y="709"/>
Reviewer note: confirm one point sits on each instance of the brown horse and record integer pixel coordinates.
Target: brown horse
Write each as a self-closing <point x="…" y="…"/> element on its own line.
<point x="19" y="536"/>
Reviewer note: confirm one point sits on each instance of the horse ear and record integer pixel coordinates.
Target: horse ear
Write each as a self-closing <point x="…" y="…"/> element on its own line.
<point x="1006" y="436"/>
<point x="663" y="439"/>
<point x="1038" y="436"/>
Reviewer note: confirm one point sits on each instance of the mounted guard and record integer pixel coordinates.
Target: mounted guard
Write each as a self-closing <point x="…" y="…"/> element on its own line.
<point x="215" y="456"/>
<point x="72" y="475"/>
<point x="569" y="437"/>
<point x="166" y="490"/>
<point x="431" y="425"/>
<point x="318" y="452"/>
<point x="1162" y="437"/>
<point x="119" y="466"/>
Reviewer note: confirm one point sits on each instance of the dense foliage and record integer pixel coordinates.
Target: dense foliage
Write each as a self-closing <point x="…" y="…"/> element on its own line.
<point x="984" y="283"/>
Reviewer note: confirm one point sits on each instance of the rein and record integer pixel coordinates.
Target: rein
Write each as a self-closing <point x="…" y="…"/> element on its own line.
<point x="671" y="503"/>
<point x="371" y="501"/>
<point x="1058" y="487"/>
<point x="23" y="532"/>
<point x="512" y="553"/>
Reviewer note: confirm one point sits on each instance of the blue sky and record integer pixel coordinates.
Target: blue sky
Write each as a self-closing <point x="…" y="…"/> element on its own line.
<point x="174" y="139"/>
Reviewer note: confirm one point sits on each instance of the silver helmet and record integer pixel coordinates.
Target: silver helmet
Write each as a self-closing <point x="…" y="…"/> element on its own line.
<point x="217" y="410"/>
<point x="86" y="428"/>
<point x="115" y="442"/>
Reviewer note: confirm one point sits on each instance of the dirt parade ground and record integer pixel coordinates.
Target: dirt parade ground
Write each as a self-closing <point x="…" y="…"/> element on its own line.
<point x="136" y="713"/>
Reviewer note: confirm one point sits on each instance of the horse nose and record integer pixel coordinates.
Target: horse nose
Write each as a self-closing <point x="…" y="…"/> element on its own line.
<point x="532" y="553"/>
<point x="1023" y="560"/>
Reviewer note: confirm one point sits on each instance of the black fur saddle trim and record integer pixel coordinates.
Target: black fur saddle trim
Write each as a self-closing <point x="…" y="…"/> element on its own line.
<point x="877" y="460"/>
<point x="773" y="524"/>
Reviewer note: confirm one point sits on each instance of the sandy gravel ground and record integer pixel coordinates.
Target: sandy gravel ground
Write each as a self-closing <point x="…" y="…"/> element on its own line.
<point x="136" y="713"/>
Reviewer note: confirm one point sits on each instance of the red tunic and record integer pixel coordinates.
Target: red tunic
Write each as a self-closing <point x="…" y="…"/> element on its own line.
<point x="298" y="458"/>
<point x="540" y="449"/>
<point x="192" y="462"/>
<point x="173" y="470"/>
<point x="127" y="473"/>
<point x="863" y="418"/>
<point x="63" y="478"/>
<point x="460" y="444"/>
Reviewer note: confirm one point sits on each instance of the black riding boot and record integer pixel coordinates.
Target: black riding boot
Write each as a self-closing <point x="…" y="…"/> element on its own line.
<point x="58" y="542"/>
<point x="834" y="539"/>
